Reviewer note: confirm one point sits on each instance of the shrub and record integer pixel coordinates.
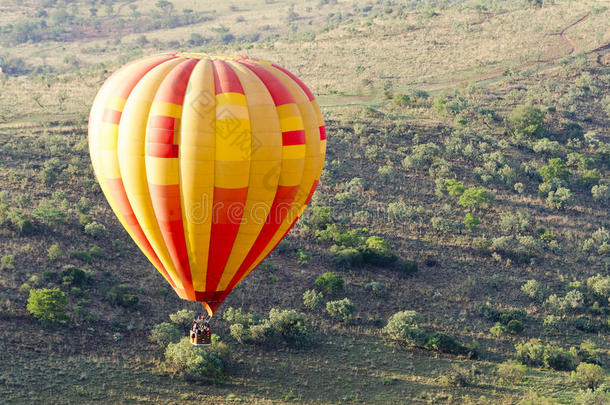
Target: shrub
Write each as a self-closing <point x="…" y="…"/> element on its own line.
<point x="81" y="255"/>
<point x="511" y="371"/>
<point x="312" y="299"/>
<point x="183" y="318"/>
<point x="560" y="359"/>
<point x="237" y="316"/>
<point x="302" y="257"/>
<point x="54" y="252"/>
<point x="601" y="193"/>
<point x="195" y="363"/>
<point x="471" y="221"/>
<point x="164" y="333"/>
<point x="377" y="288"/>
<point x="48" y="305"/>
<point x="487" y="311"/>
<point x="331" y="282"/>
<point x="588" y="352"/>
<point x="585" y="324"/>
<point x="560" y="198"/>
<point x="527" y="120"/>
<point x="95" y="229"/>
<point x="7" y="262"/>
<point x="48" y="212"/>
<point x="532" y="289"/>
<point x="555" y="169"/>
<point x="530" y="353"/>
<point x="403" y="327"/>
<point x="342" y="310"/>
<point x="291" y="325"/>
<point x="514" y="326"/>
<point x="588" y="376"/>
<point x="121" y="295"/>
<point x="377" y="252"/>
<point x="71" y="275"/>
<point x="474" y="197"/>
<point x="346" y="257"/>
<point x="600" y="285"/>
<point x="498" y="329"/>
<point x="444" y="343"/>
<point x="262" y="333"/>
<point x="454" y="188"/>
<point x="513" y="314"/>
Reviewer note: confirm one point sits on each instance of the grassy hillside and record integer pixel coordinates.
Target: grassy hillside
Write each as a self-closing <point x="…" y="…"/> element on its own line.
<point x="470" y="138"/>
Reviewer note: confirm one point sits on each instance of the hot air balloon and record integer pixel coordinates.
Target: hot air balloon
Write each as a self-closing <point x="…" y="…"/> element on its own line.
<point x="207" y="161"/>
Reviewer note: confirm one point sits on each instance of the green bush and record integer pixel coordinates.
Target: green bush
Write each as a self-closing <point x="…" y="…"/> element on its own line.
<point x="377" y="288"/>
<point x="291" y="325"/>
<point x="261" y="333"/>
<point x="530" y="353"/>
<point x="471" y="221"/>
<point x="487" y="311"/>
<point x="588" y="352"/>
<point x="49" y="213"/>
<point x="377" y="251"/>
<point x="474" y="197"/>
<point x="81" y="255"/>
<point x="95" y="229"/>
<point x="527" y="120"/>
<point x="342" y="310"/>
<point x="346" y="257"/>
<point x="195" y="363"/>
<point x="48" y="305"/>
<point x="445" y="343"/>
<point x="330" y="282"/>
<point x="54" y="252"/>
<point x="183" y="318"/>
<point x="555" y="169"/>
<point x="588" y="376"/>
<point x="237" y="316"/>
<point x="312" y="299"/>
<point x="560" y="359"/>
<point x="498" y="329"/>
<point x="511" y="371"/>
<point x="121" y="295"/>
<point x="460" y="376"/>
<point x="533" y="289"/>
<point x="403" y="327"/>
<point x="164" y="333"/>
<point x="71" y="275"/>
<point x="560" y="198"/>
<point x="302" y="257"/>
<point x="514" y="326"/>
<point x="7" y="262"/>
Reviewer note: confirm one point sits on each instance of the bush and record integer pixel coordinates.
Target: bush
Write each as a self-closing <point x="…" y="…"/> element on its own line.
<point x="588" y="352"/>
<point x="95" y="229"/>
<point x="560" y="359"/>
<point x="346" y="257"/>
<point x="403" y="327"/>
<point x="342" y="310"/>
<point x="195" y="363"/>
<point x="474" y="197"/>
<point x="54" y="252"/>
<point x="302" y="257"/>
<point x="459" y="376"/>
<point x="312" y="299"/>
<point x="560" y="198"/>
<point x="588" y="376"/>
<point x="331" y="282"/>
<point x="377" y="288"/>
<point x="487" y="311"/>
<point x="555" y="169"/>
<point x="471" y="221"/>
<point x="527" y="120"/>
<point x="511" y="371"/>
<point x="121" y="295"/>
<point x="514" y="326"/>
<point x="377" y="252"/>
<point x="164" y="333"/>
<point x="7" y="262"/>
<point x="71" y="275"/>
<point x="498" y="329"/>
<point x="444" y="343"/>
<point x="48" y="305"/>
<point x="262" y="333"/>
<point x="585" y="324"/>
<point x="532" y="289"/>
<point x="237" y="316"/>
<point x="530" y="353"/>
<point x="183" y="318"/>
<point x="48" y="212"/>
<point x="601" y="193"/>
<point x="291" y="325"/>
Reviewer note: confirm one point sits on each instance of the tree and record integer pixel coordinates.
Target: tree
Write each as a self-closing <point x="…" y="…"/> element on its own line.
<point x="331" y="282"/>
<point x="195" y="363"/>
<point x="588" y="376"/>
<point x="48" y="305"/>
<point x="555" y="169"/>
<point x="474" y="197"/>
<point x="527" y="120"/>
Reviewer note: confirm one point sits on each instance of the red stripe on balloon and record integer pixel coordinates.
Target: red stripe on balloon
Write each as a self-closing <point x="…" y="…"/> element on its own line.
<point x="111" y="116"/>
<point x="117" y="190"/>
<point x="225" y="79"/>
<point x="322" y="132"/>
<point x="166" y="198"/>
<point x="280" y="94"/>
<point x="298" y="81"/>
<point x="293" y="137"/>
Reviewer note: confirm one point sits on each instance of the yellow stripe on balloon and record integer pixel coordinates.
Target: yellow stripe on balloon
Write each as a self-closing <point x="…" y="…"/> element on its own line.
<point x="164" y="108"/>
<point x="162" y="171"/>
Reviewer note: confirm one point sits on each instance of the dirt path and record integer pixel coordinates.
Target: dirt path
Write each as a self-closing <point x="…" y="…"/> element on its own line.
<point x="564" y="34"/>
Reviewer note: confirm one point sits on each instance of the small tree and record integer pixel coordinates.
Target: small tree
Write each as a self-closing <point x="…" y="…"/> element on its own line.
<point x="291" y="325"/>
<point x="312" y="299"/>
<point x="527" y="120"/>
<point x="54" y="252"/>
<point x="474" y="197"/>
<point x="331" y="282"/>
<point x="195" y="363"/>
<point x="588" y="376"/>
<point x="403" y="327"/>
<point x="164" y="333"/>
<point x="511" y="371"/>
<point x="183" y="318"/>
<point x="342" y="310"/>
<point x="48" y="305"/>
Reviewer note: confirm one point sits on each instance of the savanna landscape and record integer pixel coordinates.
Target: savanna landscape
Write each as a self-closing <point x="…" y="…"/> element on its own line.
<point x="456" y="251"/>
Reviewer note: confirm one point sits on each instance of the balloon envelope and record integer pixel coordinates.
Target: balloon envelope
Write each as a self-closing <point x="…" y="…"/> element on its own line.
<point x="207" y="161"/>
